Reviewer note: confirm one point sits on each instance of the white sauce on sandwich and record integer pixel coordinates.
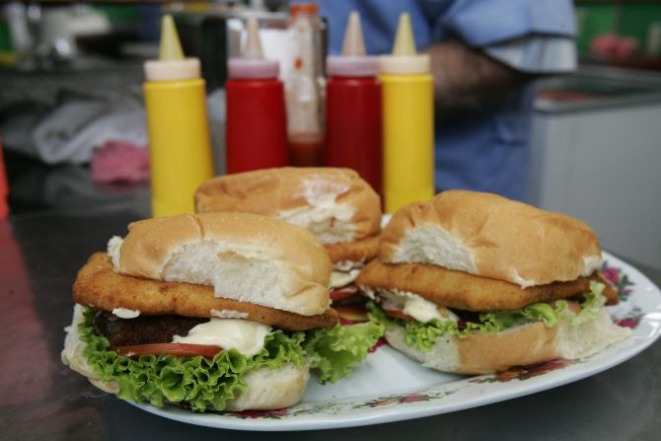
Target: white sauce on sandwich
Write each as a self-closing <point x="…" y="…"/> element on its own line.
<point x="348" y="265"/>
<point x="339" y="279"/>
<point x="345" y="272"/>
<point x="229" y="314"/>
<point x="323" y="216"/>
<point x="417" y="307"/>
<point x="114" y="246"/>
<point x="124" y="313"/>
<point x="244" y="336"/>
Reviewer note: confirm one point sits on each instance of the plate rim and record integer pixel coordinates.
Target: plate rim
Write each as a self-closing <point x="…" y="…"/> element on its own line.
<point x="407" y="411"/>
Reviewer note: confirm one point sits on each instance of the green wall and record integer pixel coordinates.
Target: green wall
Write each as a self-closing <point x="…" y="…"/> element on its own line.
<point x="630" y="19"/>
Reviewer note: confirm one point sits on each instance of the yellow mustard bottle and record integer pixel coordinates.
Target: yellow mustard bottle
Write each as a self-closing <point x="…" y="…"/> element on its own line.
<point x="408" y="122"/>
<point x="179" y="144"/>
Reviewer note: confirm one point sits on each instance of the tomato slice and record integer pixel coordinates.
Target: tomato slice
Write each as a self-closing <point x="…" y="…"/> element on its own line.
<point x="176" y="349"/>
<point x="343" y="293"/>
<point x="398" y="314"/>
<point x="350" y="314"/>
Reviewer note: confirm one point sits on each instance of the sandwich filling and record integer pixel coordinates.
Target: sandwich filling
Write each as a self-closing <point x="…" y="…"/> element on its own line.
<point x="201" y="363"/>
<point x="424" y="322"/>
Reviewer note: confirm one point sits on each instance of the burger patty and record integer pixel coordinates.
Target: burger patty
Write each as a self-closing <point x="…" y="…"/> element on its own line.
<point x="143" y="329"/>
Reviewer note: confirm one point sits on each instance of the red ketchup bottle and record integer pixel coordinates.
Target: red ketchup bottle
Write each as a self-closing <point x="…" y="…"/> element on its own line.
<point x="256" y="134"/>
<point x="353" y="108"/>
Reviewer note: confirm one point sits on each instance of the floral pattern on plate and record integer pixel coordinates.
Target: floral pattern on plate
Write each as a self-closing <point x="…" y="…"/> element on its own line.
<point x="442" y="393"/>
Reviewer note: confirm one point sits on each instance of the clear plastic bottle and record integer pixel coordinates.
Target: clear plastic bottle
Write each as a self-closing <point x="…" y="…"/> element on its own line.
<point x="304" y="86"/>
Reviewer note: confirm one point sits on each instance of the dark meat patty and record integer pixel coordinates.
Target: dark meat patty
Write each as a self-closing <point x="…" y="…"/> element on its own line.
<point x="143" y="329"/>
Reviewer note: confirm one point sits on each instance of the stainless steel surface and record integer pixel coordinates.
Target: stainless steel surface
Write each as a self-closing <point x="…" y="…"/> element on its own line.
<point x="42" y="399"/>
<point x="598" y="87"/>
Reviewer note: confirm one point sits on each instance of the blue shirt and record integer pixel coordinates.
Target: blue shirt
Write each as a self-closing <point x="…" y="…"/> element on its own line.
<point x="483" y="151"/>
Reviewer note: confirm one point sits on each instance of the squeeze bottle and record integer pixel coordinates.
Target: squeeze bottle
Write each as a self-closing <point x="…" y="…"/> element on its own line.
<point x="353" y="108"/>
<point x="256" y="135"/>
<point x="303" y="86"/>
<point x="178" y="127"/>
<point x="408" y="117"/>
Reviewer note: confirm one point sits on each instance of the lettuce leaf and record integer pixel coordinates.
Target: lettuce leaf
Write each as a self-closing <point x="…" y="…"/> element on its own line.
<point x="335" y="352"/>
<point x="208" y="384"/>
<point x="423" y="336"/>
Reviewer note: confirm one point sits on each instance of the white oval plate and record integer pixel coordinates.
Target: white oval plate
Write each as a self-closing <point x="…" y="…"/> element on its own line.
<point x="389" y="387"/>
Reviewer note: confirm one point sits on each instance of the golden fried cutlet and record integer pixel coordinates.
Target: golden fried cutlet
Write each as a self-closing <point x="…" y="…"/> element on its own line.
<point x="460" y="290"/>
<point x="99" y="286"/>
<point x="360" y="250"/>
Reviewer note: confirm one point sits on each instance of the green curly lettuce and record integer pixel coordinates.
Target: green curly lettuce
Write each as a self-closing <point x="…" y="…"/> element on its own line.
<point x="335" y="352"/>
<point x="208" y="384"/>
<point x="423" y="336"/>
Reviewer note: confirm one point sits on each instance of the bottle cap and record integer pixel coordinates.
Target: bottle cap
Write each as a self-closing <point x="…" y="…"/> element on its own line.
<point x="303" y="8"/>
<point x="171" y="64"/>
<point x="404" y="59"/>
<point x="252" y="64"/>
<point x="353" y="62"/>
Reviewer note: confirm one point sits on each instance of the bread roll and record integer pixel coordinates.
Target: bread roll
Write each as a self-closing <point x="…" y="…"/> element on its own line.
<point x="491" y="236"/>
<point x="272" y="388"/>
<point x="98" y="285"/>
<point x="245" y="257"/>
<point x="335" y="204"/>
<point x="521" y="345"/>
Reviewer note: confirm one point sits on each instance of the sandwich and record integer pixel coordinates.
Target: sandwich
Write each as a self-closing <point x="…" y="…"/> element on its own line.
<point x="335" y="204"/>
<point x="211" y="312"/>
<point x="475" y="283"/>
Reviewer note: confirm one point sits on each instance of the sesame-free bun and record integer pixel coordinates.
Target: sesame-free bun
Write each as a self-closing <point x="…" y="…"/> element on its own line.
<point x="335" y="204"/>
<point x="521" y="345"/>
<point x="245" y="257"/>
<point x="491" y="236"/>
<point x="99" y="286"/>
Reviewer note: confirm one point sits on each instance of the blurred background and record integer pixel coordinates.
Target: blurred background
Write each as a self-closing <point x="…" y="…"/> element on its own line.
<point x="71" y="103"/>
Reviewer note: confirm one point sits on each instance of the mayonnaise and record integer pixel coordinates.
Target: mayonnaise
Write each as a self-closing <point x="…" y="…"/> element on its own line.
<point x="229" y="314"/>
<point x="124" y="313"/>
<point x="339" y="279"/>
<point x="417" y="307"/>
<point x="244" y="336"/>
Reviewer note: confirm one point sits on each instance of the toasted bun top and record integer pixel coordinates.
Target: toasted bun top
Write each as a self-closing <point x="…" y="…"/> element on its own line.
<point x="335" y="204"/>
<point x="245" y="257"/>
<point x="491" y="236"/>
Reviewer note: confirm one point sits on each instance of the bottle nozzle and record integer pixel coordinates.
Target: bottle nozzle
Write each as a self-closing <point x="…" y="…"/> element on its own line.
<point x="253" y="46"/>
<point x="170" y="46"/>
<point x="252" y="64"/>
<point x="353" y="45"/>
<point x="404" y="59"/>
<point x="404" y="43"/>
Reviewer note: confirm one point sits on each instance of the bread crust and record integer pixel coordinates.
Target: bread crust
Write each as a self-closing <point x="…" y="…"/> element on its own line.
<point x="98" y="285"/>
<point x="362" y="250"/>
<point x="273" y="191"/>
<point x="149" y="242"/>
<point x="298" y="262"/>
<point x="521" y="345"/>
<point x="528" y="344"/>
<point x="485" y="353"/>
<point x="496" y="237"/>
<point x="270" y="389"/>
<point x="460" y="290"/>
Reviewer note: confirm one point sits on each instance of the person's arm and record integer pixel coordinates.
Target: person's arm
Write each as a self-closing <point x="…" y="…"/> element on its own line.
<point x="467" y="80"/>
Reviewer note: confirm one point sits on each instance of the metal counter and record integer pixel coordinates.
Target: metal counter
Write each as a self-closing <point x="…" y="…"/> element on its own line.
<point x="41" y="399"/>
